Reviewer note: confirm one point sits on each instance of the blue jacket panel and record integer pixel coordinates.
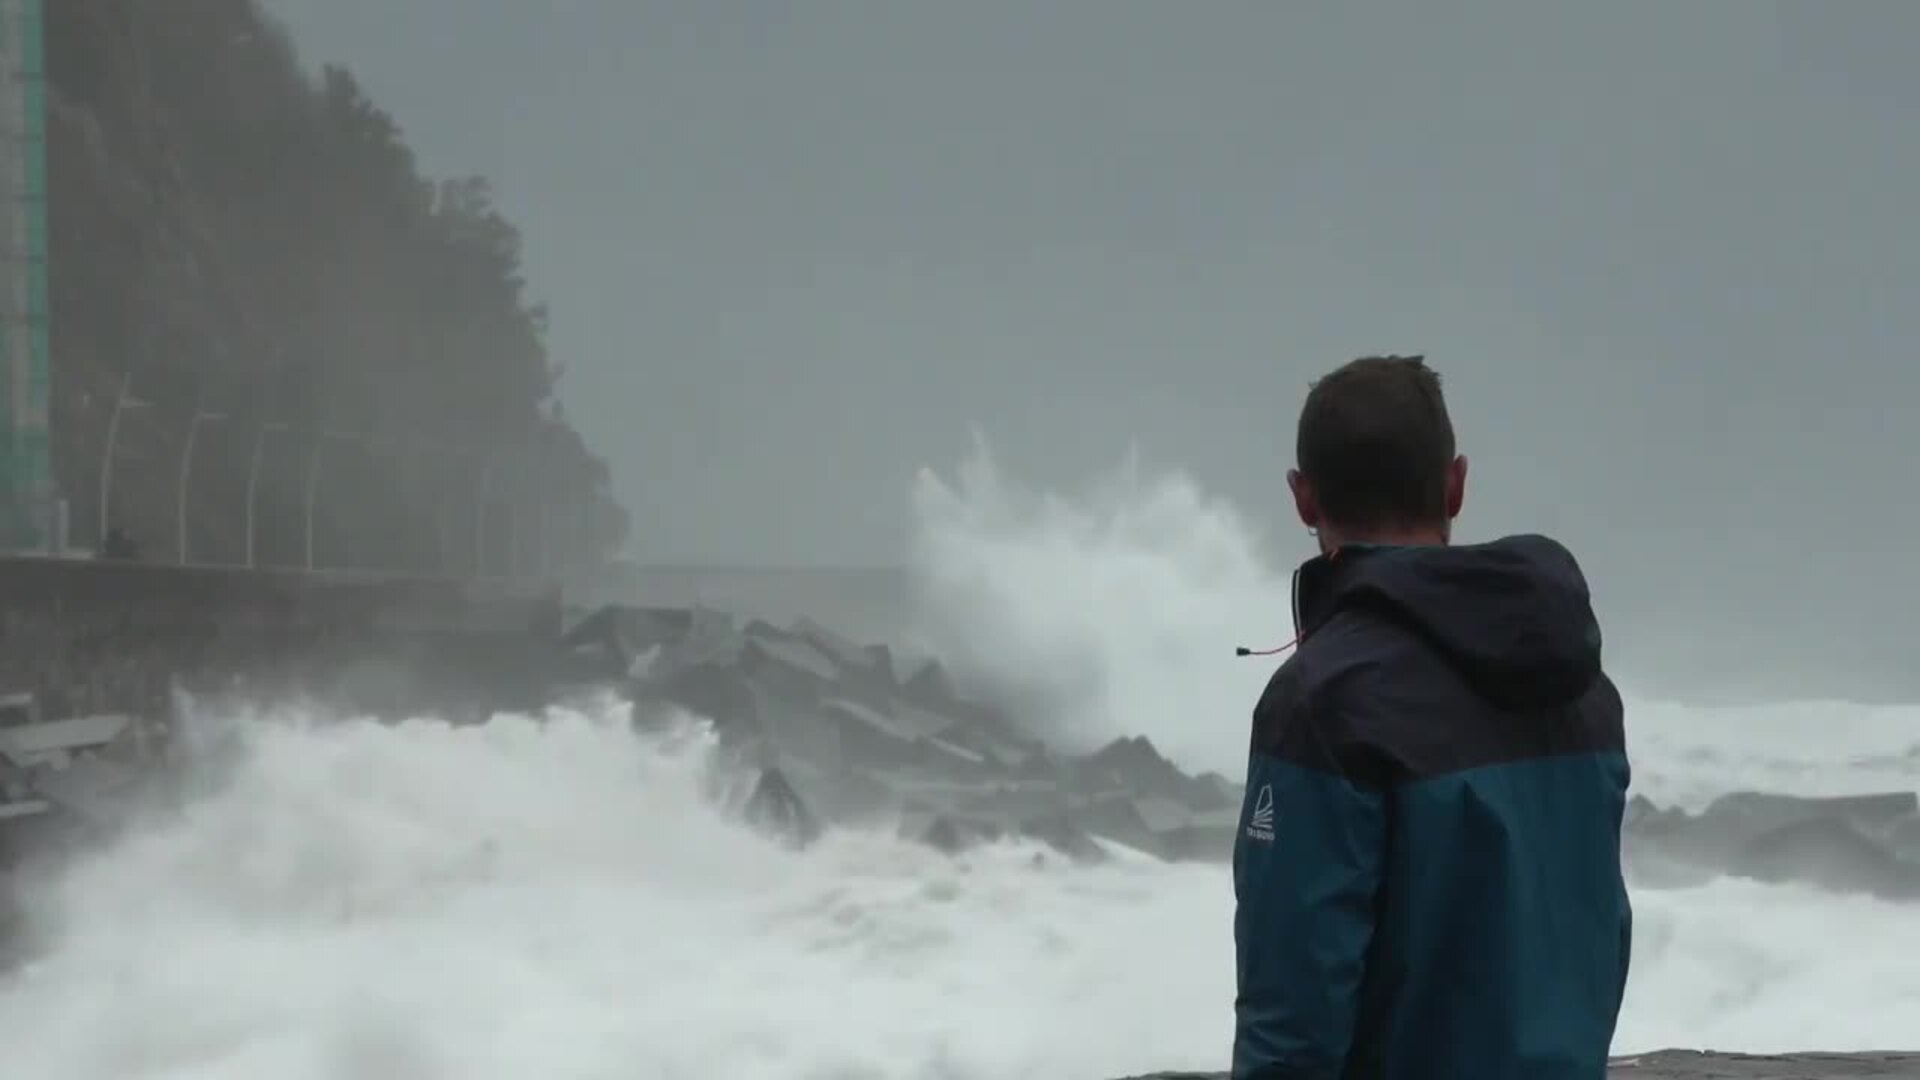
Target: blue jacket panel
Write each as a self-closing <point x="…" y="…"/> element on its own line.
<point x="1428" y="869"/>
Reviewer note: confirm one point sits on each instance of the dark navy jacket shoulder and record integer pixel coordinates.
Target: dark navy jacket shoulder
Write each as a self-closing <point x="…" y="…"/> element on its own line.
<point x="1428" y="870"/>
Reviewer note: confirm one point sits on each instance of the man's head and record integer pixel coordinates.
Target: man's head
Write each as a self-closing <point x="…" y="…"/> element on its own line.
<point x="1375" y="452"/>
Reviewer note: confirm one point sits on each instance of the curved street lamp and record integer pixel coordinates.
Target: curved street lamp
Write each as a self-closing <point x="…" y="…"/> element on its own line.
<point x="122" y="401"/>
<point x="200" y="416"/>
<point x="253" y="482"/>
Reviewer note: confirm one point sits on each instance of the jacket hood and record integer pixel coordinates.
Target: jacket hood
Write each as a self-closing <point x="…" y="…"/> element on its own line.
<point x="1513" y="616"/>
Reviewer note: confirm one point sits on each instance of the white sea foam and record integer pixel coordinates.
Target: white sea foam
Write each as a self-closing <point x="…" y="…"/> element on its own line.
<point x="562" y="898"/>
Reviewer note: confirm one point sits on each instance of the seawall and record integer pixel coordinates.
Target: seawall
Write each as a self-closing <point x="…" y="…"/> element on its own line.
<point x="874" y="604"/>
<point x="1708" y="1065"/>
<point x="159" y="594"/>
<point x="97" y="635"/>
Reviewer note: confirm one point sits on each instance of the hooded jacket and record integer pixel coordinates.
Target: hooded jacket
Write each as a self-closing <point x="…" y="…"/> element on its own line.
<point x="1427" y="872"/>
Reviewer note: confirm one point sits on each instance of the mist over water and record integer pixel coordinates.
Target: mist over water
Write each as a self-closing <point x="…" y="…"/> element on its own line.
<point x="564" y="898"/>
<point x="567" y="900"/>
<point x="1108" y="612"/>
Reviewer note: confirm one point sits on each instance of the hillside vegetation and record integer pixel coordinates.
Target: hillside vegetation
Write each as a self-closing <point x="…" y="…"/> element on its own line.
<point x="251" y="241"/>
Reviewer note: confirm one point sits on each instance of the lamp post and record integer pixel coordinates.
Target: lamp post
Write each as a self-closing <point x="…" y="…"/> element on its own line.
<point x="320" y="438"/>
<point x="516" y="488"/>
<point x="122" y="401"/>
<point x="253" y="482"/>
<point x="200" y="416"/>
<point x="483" y="490"/>
<point x="533" y="539"/>
<point x="542" y="497"/>
<point x="441" y="526"/>
<point x="397" y="442"/>
<point x="483" y="487"/>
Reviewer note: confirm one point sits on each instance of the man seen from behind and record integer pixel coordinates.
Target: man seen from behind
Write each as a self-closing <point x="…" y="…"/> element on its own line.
<point x="1427" y="873"/>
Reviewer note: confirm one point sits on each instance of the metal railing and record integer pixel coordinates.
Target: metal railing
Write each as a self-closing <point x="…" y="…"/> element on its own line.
<point x="516" y="519"/>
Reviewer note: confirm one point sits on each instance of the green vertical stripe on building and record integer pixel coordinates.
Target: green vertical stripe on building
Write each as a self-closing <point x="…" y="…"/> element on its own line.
<point x="26" y="476"/>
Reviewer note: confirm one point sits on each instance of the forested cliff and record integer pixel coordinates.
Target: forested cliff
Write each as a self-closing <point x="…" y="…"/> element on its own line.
<point x="237" y="237"/>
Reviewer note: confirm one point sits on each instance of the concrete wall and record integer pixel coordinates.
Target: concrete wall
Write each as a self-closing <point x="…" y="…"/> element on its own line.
<point x="160" y="594"/>
<point x="868" y="604"/>
<point x="99" y="635"/>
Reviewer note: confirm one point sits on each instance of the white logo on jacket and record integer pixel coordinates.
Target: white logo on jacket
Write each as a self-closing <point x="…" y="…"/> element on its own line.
<point x="1260" y="822"/>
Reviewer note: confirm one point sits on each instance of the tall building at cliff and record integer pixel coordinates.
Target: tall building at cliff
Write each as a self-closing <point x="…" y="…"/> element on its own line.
<point x="29" y="516"/>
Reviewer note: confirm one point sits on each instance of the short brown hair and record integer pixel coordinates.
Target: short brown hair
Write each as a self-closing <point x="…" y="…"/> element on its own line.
<point x="1375" y="442"/>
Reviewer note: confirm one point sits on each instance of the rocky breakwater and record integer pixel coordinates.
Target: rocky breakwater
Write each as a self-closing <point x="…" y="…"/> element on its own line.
<point x="1697" y="1065"/>
<point x="827" y="732"/>
<point x="832" y="732"/>
<point x="1867" y="844"/>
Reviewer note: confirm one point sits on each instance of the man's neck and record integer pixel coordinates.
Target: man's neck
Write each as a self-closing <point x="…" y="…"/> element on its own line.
<point x="1333" y="540"/>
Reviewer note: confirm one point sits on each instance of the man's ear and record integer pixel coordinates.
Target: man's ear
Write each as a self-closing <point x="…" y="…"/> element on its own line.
<point x="1456" y="486"/>
<point x="1305" y="502"/>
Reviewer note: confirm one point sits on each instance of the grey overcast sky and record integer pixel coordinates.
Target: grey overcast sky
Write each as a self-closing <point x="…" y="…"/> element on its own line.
<point x="1666" y="253"/>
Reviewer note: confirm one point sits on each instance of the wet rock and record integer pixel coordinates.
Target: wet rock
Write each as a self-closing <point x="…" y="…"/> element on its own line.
<point x="100" y="793"/>
<point x="1903" y="837"/>
<point x="1223" y="792"/>
<point x="857" y="740"/>
<point x="948" y="833"/>
<point x="1147" y="823"/>
<point x="790" y="666"/>
<point x="1041" y="765"/>
<point x="55" y="743"/>
<point x="776" y="809"/>
<point x="1829" y="852"/>
<point x="84" y="773"/>
<point x="1764" y="812"/>
<point x="1205" y="836"/>
<point x="879" y="737"/>
<point x="707" y="637"/>
<point x="1705" y="1065"/>
<point x="1005" y="751"/>
<point x="857" y="736"/>
<point x="870" y="666"/>
<point x="1134" y="764"/>
<point x="1852" y="844"/>
<point x="618" y="636"/>
<point x="844" y="796"/>
<point x="1059" y="833"/>
<point x="717" y="692"/>
<point x="798" y="730"/>
<point x="930" y="684"/>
